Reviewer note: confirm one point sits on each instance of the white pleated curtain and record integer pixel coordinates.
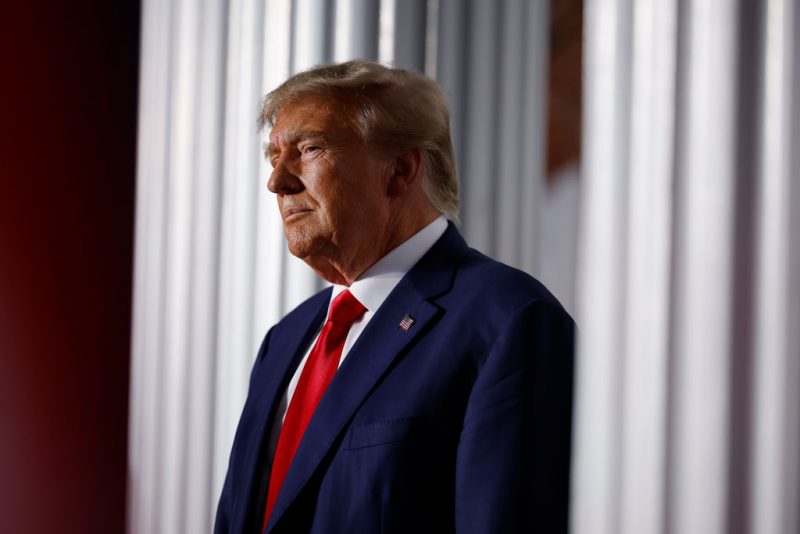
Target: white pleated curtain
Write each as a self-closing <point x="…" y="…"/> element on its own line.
<point x="688" y="406"/>
<point x="212" y="272"/>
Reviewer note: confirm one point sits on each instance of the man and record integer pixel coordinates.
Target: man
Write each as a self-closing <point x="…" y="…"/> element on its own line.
<point x="429" y="390"/>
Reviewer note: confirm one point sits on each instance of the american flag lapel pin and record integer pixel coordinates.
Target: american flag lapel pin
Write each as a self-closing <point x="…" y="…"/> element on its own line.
<point x="405" y="323"/>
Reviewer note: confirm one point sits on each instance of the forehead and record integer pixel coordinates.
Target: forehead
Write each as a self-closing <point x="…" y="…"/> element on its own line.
<point x="312" y="115"/>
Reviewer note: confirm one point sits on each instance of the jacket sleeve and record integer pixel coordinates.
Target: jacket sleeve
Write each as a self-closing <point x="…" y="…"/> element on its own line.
<point x="513" y="458"/>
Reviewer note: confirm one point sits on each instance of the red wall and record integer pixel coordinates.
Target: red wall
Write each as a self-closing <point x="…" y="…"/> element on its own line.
<point x="67" y="153"/>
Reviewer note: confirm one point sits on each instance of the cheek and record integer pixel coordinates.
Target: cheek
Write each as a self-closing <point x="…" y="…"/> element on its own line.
<point x="347" y="195"/>
<point x="321" y="185"/>
<point x="374" y="199"/>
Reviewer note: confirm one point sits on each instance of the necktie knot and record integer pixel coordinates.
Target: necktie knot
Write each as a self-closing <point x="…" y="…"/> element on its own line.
<point x="345" y="308"/>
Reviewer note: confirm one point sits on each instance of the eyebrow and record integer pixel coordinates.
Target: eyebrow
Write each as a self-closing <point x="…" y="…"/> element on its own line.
<point x="294" y="137"/>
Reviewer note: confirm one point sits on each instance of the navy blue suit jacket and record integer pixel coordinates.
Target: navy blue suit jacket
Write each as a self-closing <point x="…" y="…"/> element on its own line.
<point x="460" y="424"/>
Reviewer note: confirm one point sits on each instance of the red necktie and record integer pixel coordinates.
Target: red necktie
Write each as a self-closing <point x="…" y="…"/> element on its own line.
<point x="317" y="374"/>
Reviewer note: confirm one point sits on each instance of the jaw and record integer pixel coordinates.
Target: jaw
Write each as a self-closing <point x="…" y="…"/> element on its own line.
<point x="340" y="261"/>
<point x="318" y="252"/>
<point x="328" y="271"/>
<point x="339" y="264"/>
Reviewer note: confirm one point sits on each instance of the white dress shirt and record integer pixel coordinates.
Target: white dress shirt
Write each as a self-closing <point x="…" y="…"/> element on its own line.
<point x="371" y="289"/>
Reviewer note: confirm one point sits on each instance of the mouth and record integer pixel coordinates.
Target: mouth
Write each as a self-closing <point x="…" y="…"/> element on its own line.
<point x="292" y="214"/>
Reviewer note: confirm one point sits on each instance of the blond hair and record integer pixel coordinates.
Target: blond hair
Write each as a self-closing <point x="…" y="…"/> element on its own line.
<point x="393" y="109"/>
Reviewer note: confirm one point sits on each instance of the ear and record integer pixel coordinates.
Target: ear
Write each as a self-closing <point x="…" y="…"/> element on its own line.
<point x="406" y="172"/>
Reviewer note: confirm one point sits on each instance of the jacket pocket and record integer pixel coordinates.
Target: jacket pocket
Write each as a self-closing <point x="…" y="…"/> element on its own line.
<point x="389" y="431"/>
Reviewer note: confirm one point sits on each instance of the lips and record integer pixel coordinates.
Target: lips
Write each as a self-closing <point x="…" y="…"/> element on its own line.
<point x="290" y="214"/>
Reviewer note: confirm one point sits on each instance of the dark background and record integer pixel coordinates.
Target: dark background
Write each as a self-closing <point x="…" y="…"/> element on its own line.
<point x="67" y="158"/>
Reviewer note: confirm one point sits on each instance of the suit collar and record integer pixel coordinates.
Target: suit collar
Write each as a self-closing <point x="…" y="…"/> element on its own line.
<point x="379" y="345"/>
<point x="377" y="282"/>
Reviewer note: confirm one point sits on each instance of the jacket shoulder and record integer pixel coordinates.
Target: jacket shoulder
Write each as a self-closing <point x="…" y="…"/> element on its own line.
<point x="484" y="281"/>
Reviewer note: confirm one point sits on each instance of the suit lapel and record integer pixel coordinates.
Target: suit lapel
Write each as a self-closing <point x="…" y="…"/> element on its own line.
<point x="378" y="346"/>
<point x="286" y="350"/>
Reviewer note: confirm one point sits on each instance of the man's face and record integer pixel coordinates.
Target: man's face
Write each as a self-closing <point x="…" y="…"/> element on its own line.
<point x="332" y="192"/>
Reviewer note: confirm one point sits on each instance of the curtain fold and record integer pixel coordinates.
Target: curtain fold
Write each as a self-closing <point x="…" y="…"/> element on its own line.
<point x="687" y="371"/>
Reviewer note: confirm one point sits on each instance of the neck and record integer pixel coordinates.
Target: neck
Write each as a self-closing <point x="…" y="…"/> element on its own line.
<point x="344" y="269"/>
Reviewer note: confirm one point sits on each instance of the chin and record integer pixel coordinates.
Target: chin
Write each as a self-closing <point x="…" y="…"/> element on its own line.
<point x="299" y="250"/>
<point x="302" y="246"/>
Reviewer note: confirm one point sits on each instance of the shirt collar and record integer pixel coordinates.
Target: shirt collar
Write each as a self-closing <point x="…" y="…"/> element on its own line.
<point x="375" y="284"/>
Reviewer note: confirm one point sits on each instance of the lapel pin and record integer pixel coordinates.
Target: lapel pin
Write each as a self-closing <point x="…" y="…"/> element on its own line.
<point x="405" y="323"/>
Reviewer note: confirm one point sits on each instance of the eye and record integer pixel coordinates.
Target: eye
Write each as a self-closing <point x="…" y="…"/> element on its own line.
<point x="310" y="149"/>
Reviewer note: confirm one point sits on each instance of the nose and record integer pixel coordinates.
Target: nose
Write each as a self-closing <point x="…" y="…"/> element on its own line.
<point x="283" y="181"/>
